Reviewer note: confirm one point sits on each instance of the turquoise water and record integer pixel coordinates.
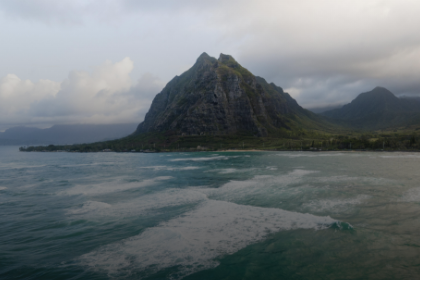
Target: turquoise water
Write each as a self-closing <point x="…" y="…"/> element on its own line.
<point x="225" y="215"/>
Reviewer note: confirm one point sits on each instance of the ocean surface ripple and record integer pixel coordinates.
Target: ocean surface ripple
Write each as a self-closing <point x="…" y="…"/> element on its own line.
<point x="209" y="215"/>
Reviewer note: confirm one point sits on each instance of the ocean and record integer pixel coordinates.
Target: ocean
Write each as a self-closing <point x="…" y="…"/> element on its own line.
<point x="209" y="215"/>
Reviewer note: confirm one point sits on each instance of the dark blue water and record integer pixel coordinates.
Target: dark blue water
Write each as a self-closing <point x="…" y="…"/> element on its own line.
<point x="235" y="215"/>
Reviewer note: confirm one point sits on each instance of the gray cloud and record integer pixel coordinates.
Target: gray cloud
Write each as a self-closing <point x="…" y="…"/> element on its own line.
<point x="337" y="51"/>
<point x="63" y="12"/>
<point x="104" y="96"/>
<point x="322" y="52"/>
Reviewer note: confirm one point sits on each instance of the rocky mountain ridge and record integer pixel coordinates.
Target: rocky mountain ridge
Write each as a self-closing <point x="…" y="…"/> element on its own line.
<point x="220" y="97"/>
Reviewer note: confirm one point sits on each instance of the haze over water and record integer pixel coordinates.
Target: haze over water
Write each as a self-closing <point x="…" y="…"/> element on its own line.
<point x="236" y="215"/>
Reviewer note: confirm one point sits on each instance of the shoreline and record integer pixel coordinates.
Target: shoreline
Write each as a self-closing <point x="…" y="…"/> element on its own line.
<point x="257" y="150"/>
<point x="229" y="150"/>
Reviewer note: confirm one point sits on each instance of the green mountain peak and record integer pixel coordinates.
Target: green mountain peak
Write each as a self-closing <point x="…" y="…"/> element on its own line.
<point x="203" y="56"/>
<point x="203" y="59"/>
<point x="226" y="58"/>
<point x="220" y="97"/>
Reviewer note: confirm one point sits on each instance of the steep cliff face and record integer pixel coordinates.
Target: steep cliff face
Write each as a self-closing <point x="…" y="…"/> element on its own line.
<point x="220" y="97"/>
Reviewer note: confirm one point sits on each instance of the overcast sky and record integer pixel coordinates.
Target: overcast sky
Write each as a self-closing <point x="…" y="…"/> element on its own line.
<point x="65" y="62"/>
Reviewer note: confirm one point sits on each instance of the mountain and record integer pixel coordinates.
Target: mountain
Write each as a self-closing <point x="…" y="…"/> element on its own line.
<point x="220" y="97"/>
<point x="377" y="109"/>
<point x="411" y="103"/>
<point x="321" y="109"/>
<point x="65" y="134"/>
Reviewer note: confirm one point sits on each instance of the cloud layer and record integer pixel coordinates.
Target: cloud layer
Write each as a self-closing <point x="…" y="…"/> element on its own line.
<point x="104" y="96"/>
<point x="322" y="52"/>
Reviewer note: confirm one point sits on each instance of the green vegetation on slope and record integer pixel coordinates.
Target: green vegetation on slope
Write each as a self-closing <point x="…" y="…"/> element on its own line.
<point x="220" y="97"/>
<point x="404" y="139"/>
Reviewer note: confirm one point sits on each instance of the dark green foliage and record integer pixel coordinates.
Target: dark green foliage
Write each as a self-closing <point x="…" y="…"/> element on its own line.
<point x="155" y="142"/>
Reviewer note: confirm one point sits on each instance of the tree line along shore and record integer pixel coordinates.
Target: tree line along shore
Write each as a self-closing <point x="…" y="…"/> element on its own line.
<point x="409" y="141"/>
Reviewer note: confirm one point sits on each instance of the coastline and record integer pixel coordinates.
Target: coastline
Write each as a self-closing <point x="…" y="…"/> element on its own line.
<point x="259" y="150"/>
<point x="231" y="150"/>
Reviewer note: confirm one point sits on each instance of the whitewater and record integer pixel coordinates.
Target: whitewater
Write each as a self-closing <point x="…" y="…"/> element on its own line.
<point x="209" y="215"/>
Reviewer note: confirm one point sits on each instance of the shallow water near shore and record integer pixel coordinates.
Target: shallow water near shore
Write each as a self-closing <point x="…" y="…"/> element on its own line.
<point x="209" y="215"/>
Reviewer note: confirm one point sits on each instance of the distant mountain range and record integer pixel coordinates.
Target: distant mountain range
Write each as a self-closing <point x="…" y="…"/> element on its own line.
<point x="377" y="109"/>
<point x="219" y="97"/>
<point x="65" y="134"/>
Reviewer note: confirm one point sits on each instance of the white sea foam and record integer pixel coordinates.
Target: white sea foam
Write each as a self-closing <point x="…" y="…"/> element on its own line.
<point x="156" y="168"/>
<point x="193" y="240"/>
<point x="226" y="171"/>
<point x="371" y="180"/>
<point x="260" y="186"/>
<point x="272" y="168"/>
<point x="401" y="155"/>
<point x="262" y="181"/>
<point x="3" y="187"/>
<point x="171" y="168"/>
<point x="88" y="164"/>
<point x="310" y="154"/>
<point x="10" y="166"/>
<point x="139" y="206"/>
<point x="108" y="187"/>
<point x="90" y="207"/>
<point x="231" y="170"/>
<point x="332" y="204"/>
<point x="411" y="195"/>
<point x="76" y="165"/>
<point x="202" y="158"/>
<point x="184" y="168"/>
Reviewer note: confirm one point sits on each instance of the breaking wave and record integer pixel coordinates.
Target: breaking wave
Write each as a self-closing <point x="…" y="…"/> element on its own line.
<point x="194" y="240"/>
<point x="115" y="186"/>
<point x="201" y="158"/>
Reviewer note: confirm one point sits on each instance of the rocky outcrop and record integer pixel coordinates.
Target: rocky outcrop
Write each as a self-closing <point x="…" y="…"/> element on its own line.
<point x="220" y="97"/>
